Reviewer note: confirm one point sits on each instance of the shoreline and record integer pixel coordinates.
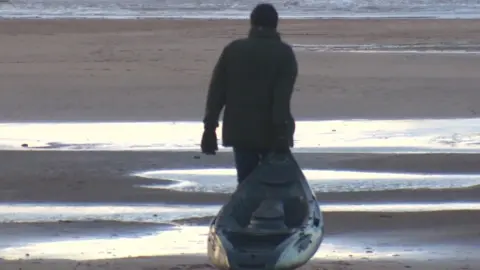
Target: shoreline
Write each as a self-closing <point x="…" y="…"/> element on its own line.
<point x="283" y="19"/>
<point x="287" y="27"/>
<point x="245" y="16"/>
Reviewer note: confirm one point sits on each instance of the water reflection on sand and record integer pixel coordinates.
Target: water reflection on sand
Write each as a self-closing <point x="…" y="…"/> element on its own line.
<point x="192" y="240"/>
<point x="161" y="214"/>
<point x="224" y="180"/>
<point x="425" y="135"/>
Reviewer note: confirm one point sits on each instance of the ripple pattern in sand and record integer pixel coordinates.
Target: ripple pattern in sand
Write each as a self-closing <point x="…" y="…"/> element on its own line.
<point x="442" y="48"/>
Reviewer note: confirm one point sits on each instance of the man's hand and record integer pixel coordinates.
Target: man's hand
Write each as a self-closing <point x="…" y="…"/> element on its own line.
<point x="209" y="142"/>
<point x="280" y="142"/>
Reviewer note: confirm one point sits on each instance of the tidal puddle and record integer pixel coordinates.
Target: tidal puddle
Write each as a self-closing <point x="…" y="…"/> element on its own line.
<point x="158" y="214"/>
<point x="189" y="240"/>
<point x="398" y="136"/>
<point x="192" y="240"/>
<point x="224" y="180"/>
<point x="35" y="230"/>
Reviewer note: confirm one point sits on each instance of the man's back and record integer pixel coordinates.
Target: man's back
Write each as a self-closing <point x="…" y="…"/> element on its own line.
<point x="255" y="78"/>
<point x="253" y="81"/>
<point x="252" y="68"/>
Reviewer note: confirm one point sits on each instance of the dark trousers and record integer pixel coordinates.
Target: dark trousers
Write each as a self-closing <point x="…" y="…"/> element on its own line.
<point x="246" y="160"/>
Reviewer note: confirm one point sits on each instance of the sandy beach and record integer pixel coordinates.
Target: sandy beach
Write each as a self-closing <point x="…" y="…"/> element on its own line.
<point x="158" y="70"/>
<point x="89" y="70"/>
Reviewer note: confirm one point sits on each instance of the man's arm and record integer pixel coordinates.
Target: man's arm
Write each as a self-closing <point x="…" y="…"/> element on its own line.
<point x="216" y="93"/>
<point x="283" y="90"/>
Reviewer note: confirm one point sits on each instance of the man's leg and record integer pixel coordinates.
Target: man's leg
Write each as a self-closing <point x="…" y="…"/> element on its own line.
<point x="246" y="160"/>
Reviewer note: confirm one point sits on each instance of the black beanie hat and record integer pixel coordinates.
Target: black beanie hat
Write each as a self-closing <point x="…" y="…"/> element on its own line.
<point x="264" y="15"/>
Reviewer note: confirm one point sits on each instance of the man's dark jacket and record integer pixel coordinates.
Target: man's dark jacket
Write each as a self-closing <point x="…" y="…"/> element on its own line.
<point x="254" y="80"/>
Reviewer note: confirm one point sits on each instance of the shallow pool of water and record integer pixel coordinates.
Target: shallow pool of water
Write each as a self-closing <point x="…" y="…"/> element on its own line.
<point x="192" y="240"/>
<point x="161" y="214"/>
<point x="156" y="213"/>
<point x="224" y="180"/>
<point x="416" y="136"/>
<point x="48" y="239"/>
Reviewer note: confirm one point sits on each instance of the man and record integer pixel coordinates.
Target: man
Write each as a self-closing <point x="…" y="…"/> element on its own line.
<point x="253" y="80"/>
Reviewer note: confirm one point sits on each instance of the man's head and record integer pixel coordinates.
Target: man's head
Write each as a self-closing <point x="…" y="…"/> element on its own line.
<point x="264" y="16"/>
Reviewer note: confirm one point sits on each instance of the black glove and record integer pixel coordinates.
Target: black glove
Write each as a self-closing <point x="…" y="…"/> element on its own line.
<point x="280" y="142"/>
<point x="209" y="142"/>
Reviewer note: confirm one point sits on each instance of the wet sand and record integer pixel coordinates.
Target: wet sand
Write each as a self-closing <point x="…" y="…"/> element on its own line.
<point x="200" y="262"/>
<point x="158" y="70"/>
<point x="88" y="176"/>
<point x="383" y="240"/>
<point x="328" y="136"/>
